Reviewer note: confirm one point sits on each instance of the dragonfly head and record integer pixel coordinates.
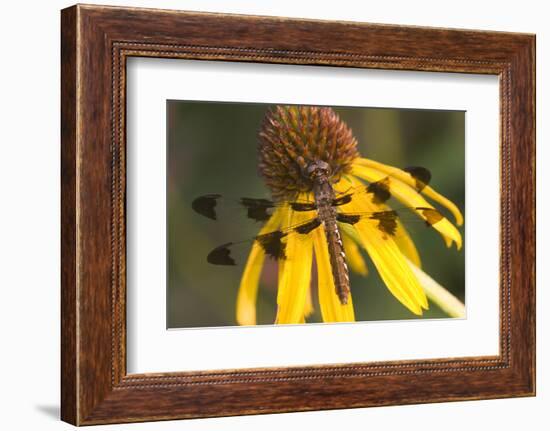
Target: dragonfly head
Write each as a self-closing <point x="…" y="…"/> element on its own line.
<point x="317" y="169"/>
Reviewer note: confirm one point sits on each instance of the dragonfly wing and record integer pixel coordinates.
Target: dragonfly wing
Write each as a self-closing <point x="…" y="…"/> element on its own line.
<point x="257" y="209"/>
<point x="272" y="243"/>
<point x="380" y="190"/>
<point x="261" y="209"/>
<point x="221" y="255"/>
<point x="421" y="176"/>
<point x="387" y="221"/>
<point x="206" y="205"/>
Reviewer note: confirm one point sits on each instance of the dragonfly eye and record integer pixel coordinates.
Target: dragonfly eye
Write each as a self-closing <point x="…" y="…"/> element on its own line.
<point x="317" y="168"/>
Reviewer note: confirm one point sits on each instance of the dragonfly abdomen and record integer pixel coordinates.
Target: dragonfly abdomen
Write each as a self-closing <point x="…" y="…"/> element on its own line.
<point x="337" y="261"/>
<point x="324" y="196"/>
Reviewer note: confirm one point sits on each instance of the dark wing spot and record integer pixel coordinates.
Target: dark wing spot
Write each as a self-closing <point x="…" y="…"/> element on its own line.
<point x="431" y="215"/>
<point x="272" y="244"/>
<point x="221" y="255"/>
<point x="308" y="226"/>
<point x="205" y="205"/>
<point x="342" y="200"/>
<point x="380" y="190"/>
<point x="303" y="206"/>
<point x="421" y="175"/>
<point x="348" y="218"/>
<point x="387" y="221"/>
<point x="257" y="209"/>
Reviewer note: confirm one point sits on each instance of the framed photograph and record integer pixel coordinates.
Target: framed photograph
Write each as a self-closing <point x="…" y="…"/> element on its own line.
<point x="266" y="215"/>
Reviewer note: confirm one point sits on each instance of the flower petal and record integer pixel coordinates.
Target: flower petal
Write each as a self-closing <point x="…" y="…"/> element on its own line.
<point x="409" y="180"/>
<point x="331" y="308"/>
<point x="308" y="309"/>
<point x="248" y="289"/>
<point x="406" y="244"/>
<point x="389" y="260"/>
<point x="353" y="255"/>
<point x="402" y="237"/>
<point x="295" y="276"/>
<point x="410" y="197"/>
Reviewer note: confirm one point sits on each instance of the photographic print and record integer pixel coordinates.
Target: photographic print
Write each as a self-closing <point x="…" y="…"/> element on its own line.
<point x="291" y="214"/>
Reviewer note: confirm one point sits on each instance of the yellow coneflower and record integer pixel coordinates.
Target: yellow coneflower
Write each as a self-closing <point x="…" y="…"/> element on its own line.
<point x="290" y="138"/>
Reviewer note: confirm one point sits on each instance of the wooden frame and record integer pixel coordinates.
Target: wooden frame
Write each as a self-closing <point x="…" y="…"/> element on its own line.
<point x="96" y="41"/>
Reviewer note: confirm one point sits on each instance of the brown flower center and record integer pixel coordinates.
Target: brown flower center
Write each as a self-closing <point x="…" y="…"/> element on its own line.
<point x="293" y="139"/>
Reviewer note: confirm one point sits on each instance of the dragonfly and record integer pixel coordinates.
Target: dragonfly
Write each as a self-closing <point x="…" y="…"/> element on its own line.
<point x="326" y="211"/>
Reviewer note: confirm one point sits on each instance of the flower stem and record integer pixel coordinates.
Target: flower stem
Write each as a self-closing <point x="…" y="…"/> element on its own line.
<point x="444" y="299"/>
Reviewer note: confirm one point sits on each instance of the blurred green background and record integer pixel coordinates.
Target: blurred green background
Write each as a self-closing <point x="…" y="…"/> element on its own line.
<point x="212" y="149"/>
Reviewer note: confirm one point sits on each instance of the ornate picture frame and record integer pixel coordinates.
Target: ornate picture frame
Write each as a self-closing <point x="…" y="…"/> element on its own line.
<point x="96" y="42"/>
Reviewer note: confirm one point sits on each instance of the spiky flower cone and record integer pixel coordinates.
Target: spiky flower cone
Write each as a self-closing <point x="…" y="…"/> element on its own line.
<point x="291" y="137"/>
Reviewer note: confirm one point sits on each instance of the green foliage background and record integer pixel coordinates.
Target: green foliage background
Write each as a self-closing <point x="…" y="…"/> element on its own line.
<point x="212" y="149"/>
